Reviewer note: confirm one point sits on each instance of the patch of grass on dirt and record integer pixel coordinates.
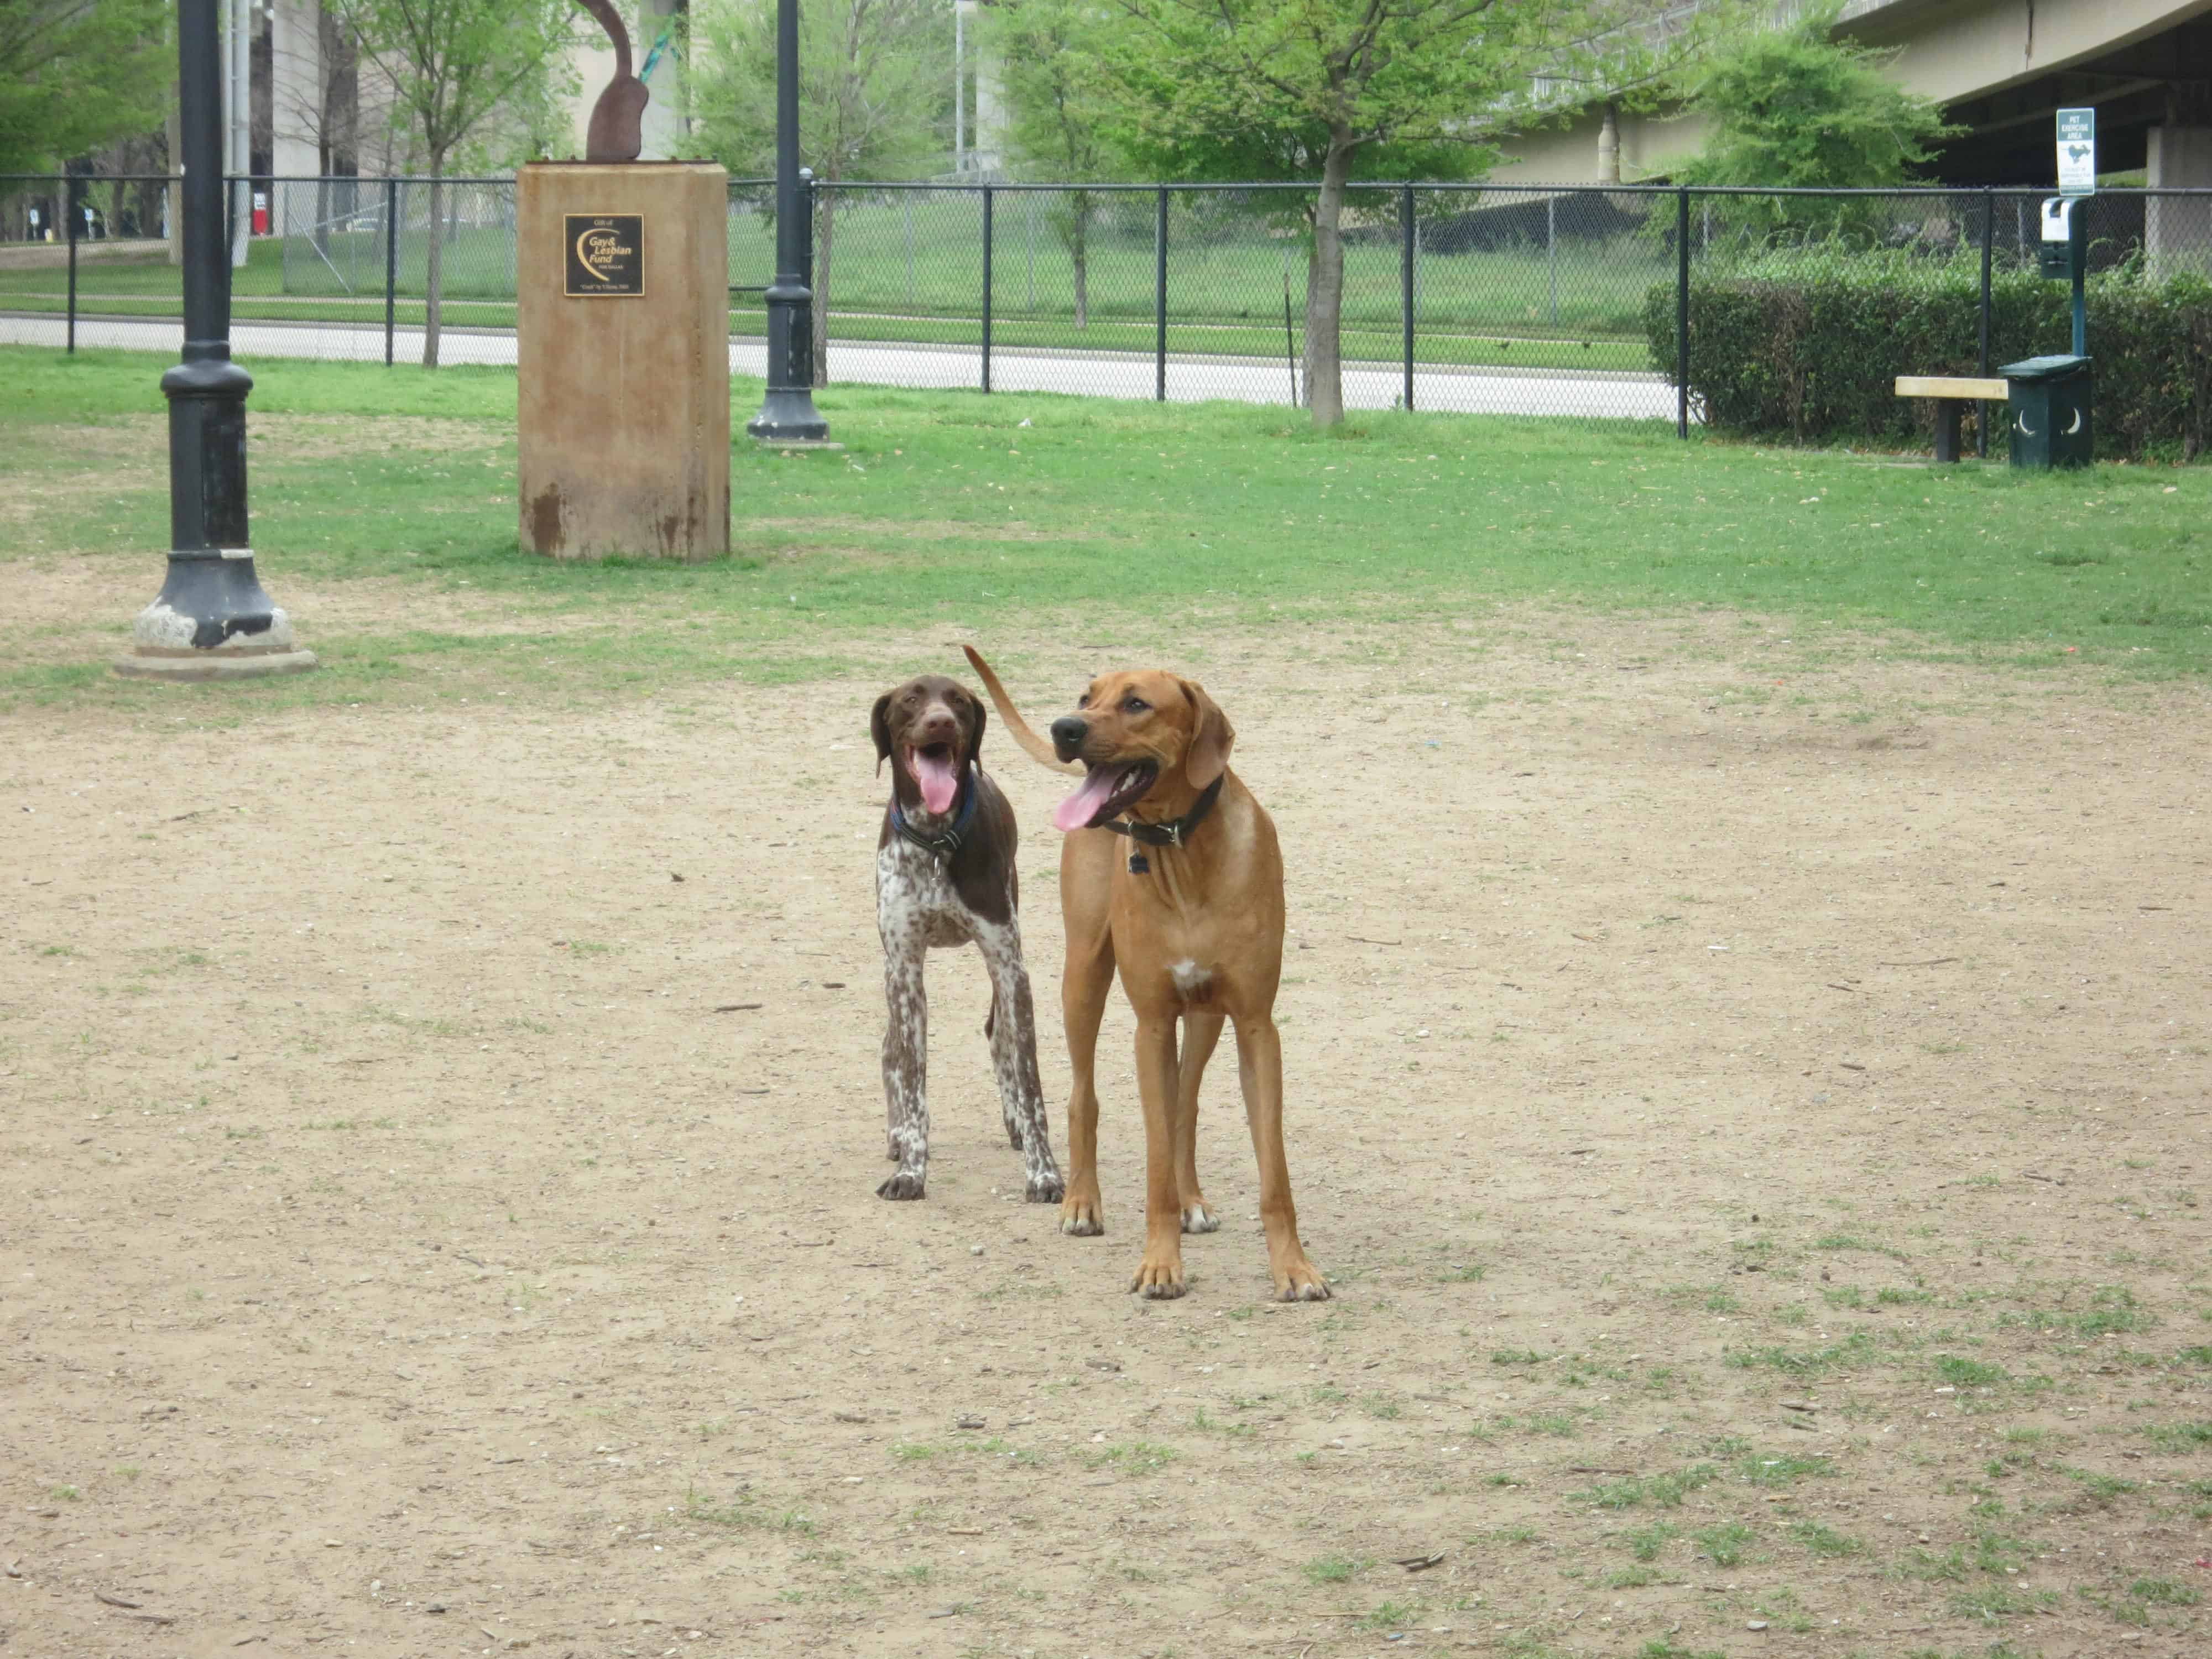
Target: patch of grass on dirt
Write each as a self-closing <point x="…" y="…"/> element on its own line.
<point x="1857" y="1349"/>
<point x="1137" y="1457"/>
<point x="1824" y="1541"/>
<point x="2178" y="1437"/>
<point x="1335" y="1569"/>
<point x="1783" y="1471"/>
<point x="1665" y="1490"/>
<point x="1724" y="1543"/>
<point x="745" y="1512"/>
<point x="1962" y="1373"/>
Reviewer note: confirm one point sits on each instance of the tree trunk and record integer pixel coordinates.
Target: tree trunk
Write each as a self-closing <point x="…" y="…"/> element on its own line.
<point x="1324" y="288"/>
<point x="1080" y="211"/>
<point x="825" y="216"/>
<point x="434" y="248"/>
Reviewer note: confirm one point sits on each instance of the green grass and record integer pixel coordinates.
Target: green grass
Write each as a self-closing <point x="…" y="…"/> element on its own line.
<point x="1332" y="1569"/>
<point x="1824" y="1541"/>
<point x="945" y="509"/>
<point x="1725" y="1543"/>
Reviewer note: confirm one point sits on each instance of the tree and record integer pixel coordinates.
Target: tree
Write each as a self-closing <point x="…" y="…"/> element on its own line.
<point x="76" y="74"/>
<point x="1798" y="107"/>
<point x="1330" y="90"/>
<point x="1062" y="109"/>
<point x="453" y="66"/>
<point x="872" y="96"/>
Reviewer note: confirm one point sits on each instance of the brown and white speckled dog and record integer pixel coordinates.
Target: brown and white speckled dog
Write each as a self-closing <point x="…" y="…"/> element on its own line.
<point x="945" y="875"/>
<point x="1170" y="873"/>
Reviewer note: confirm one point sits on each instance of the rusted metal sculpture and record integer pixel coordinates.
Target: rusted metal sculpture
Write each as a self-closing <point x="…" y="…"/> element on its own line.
<point x="617" y="132"/>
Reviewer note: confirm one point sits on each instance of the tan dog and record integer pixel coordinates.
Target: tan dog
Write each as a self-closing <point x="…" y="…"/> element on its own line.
<point x="1171" y="873"/>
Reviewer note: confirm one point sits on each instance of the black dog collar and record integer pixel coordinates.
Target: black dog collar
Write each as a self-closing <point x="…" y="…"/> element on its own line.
<point x="945" y="843"/>
<point x="1175" y="831"/>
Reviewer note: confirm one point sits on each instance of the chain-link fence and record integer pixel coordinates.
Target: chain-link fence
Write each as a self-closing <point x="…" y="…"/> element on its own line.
<point x="1795" y="309"/>
<point x="337" y="268"/>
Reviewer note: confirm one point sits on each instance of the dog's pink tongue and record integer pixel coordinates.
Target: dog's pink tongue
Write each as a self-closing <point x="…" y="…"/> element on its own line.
<point x="1079" y="808"/>
<point x="939" y="782"/>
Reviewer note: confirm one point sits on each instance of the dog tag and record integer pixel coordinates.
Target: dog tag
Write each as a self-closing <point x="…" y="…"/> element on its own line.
<point x="1139" y="864"/>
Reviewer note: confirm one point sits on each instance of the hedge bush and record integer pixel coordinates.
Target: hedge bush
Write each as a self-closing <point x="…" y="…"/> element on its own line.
<point x="1807" y="345"/>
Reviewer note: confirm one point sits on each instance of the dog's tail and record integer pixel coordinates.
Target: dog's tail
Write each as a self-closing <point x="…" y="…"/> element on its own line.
<point x="1039" y="749"/>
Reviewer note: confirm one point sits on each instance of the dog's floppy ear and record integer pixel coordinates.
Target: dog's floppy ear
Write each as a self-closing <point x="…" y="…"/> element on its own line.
<point x="879" y="727"/>
<point x="976" y="720"/>
<point x="1207" y="757"/>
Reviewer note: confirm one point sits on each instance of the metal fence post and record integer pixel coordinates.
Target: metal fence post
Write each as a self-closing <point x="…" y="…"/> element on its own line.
<point x="1682" y="312"/>
<point x="69" y="213"/>
<point x="1989" y="229"/>
<point x="1552" y="253"/>
<point x="1160" y="301"/>
<point x="391" y="261"/>
<point x="1405" y="281"/>
<point x="987" y="287"/>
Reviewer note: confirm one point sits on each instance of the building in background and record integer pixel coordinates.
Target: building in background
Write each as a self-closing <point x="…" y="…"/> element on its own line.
<point x="2000" y="67"/>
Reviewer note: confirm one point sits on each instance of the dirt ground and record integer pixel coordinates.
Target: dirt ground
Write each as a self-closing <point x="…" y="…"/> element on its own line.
<point x="1755" y="1132"/>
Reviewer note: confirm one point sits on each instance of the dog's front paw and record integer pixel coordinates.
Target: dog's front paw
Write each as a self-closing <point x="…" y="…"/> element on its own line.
<point x="1159" y="1278"/>
<point x="1300" y="1281"/>
<point x="1197" y="1218"/>
<point x="1047" y="1189"/>
<point x="1079" y="1215"/>
<point x="907" y="1183"/>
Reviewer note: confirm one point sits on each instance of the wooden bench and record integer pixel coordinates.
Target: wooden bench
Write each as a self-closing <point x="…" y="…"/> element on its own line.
<point x="1952" y="393"/>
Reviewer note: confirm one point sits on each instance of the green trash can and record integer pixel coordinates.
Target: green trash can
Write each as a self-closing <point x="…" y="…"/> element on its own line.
<point x="2049" y="399"/>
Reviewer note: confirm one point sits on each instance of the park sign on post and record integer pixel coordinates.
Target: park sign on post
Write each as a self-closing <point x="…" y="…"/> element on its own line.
<point x="2077" y="152"/>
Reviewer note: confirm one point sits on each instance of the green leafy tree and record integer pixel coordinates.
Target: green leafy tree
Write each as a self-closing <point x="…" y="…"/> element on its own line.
<point x="76" y="74"/>
<point x="874" y="90"/>
<point x="1062" y="113"/>
<point x="1336" y="90"/>
<point x="1797" y="107"/>
<point x="455" y="68"/>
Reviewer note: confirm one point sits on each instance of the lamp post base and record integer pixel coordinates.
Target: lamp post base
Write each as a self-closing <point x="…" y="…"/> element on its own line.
<point x="214" y="665"/>
<point x="788" y="415"/>
<point x="212" y="622"/>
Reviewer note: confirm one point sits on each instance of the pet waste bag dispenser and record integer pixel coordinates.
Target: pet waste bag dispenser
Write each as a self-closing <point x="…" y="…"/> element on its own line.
<point x="2049" y="399"/>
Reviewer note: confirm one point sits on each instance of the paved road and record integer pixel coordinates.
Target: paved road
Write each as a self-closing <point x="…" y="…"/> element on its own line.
<point x="1109" y="374"/>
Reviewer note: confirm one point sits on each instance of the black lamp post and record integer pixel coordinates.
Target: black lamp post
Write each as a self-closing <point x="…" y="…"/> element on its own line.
<point x="787" y="413"/>
<point x="211" y="620"/>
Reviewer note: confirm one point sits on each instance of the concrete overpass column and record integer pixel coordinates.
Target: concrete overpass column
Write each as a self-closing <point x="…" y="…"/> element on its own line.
<point x="989" y="152"/>
<point x="295" y="110"/>
<point x="2177" y="231"/>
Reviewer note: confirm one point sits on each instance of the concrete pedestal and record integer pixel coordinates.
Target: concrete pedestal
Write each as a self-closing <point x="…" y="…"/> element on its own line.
<point x="622" y="335"/>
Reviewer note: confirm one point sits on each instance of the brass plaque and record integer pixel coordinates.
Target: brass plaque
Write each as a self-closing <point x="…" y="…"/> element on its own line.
<point x="606" y="255"/>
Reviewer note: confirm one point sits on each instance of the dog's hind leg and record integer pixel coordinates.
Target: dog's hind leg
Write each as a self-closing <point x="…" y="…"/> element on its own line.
<point x="1201" y="1032"/>
<point x="1260" y="1068"/>
<point x="1013" y="1057"/>
<point x="1085" y="891"/>
<point x="906" y="1061"/>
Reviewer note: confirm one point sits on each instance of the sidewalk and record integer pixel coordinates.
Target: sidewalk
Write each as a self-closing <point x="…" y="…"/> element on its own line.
<point x="1109" y="374"/>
